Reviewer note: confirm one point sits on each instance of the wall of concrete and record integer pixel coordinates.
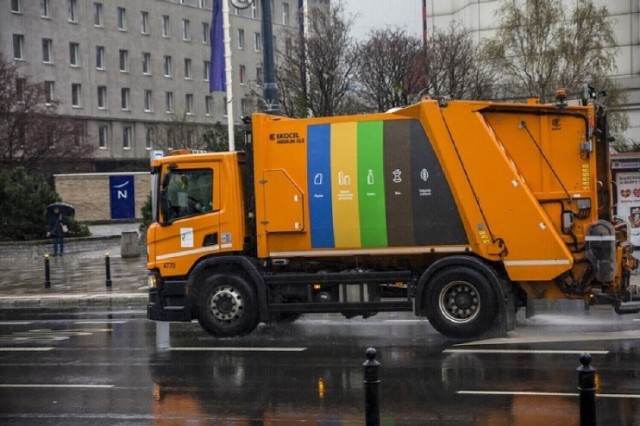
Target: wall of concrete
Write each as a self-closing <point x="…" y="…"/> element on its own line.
<point x="90" y="194"/>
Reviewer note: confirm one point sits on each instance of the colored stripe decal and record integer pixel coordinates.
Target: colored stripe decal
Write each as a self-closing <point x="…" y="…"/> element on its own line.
<point x="319" y="183"/>
<point x="397" y="172"/>
<point x="373" y="215"/>
<point x="344" y="185"/>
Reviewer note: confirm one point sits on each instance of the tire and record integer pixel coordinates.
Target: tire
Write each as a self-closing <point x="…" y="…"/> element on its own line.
<point x="227" y="306"/>
<point x="461" y="302"/>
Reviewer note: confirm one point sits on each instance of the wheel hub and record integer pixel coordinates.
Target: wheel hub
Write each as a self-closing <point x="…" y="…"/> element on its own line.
<point x="226" y="303"/>
<point x="459" y="302"/>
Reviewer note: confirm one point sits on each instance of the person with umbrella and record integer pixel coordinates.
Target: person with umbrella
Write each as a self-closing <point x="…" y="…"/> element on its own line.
<point x="56" y="226"/>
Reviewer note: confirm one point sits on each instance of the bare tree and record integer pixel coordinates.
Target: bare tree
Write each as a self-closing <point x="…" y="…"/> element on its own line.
<point x="391" y="69"/>
<point x="540" y="47"/>
<point x="31" y="133"/>
<point x="455" y="66"/>
<point x="179" y="132"/>
<point x="324" y="59"/>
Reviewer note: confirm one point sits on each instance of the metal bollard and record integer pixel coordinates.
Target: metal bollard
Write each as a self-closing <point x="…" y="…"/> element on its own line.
<point x="587" y="388"/>
<point x="107" y="265"/>
<point x="47" y="271"/>
<point x="371" y="394"/>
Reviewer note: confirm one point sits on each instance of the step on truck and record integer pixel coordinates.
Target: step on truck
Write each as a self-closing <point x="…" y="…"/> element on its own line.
<point x="474" y="209"/>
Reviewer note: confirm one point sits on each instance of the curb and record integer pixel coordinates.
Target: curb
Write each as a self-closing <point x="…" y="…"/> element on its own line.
<point x="69" y="301"/>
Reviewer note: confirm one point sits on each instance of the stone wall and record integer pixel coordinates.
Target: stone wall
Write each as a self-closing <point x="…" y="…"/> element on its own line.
<point x="89" y="193"/>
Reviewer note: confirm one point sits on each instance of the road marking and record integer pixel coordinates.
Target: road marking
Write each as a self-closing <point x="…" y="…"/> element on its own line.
<point x="406" y="321"/>
<point x="16" y="322"/>
<point x="524" y="351"/>
<point x="54" y="386"/>
<point x="42" y="349"/>
<point x="101" y="322"/>
<point x="238" y="349"/>
<point x="517" y="338"/>
<point x="514" y="393"/>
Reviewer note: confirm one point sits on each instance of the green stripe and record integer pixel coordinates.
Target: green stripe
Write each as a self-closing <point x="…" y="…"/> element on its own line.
<point x="371" y="198"/>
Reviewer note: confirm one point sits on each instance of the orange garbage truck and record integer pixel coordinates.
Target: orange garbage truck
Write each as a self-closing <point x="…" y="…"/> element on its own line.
<point x="475" y="208"/>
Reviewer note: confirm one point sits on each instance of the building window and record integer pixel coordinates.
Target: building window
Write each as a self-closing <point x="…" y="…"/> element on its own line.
<point x="224" y="107"/>
<point x="168" y="101"/>
<point x="76" y="95"/>
<point x="240" y="38"/>
<point x="124" y="98"/>
<point x="144" y="22"/>
<point x="127" y="137"/>
<point x="20" y="83"/>
<point x="15" y="6"/>
<point x="103" y="137"/>
<point x="205" y="32"/>
<point x="187" y="69"/>
<point x="206" y="68"/>
<point x="285" y="13"/>
<point x="47" y="50"/>
<point x="146" y="63"/>
<point x="202" y="4"/>
<point x="208" y="105"/>
<point x="49" y="91"/>
<point x="254" y="10"/>
<point x="188" y="103"/>
<point x="124" y="60"/>
<point x="259" y="76"/>
<point x="122" y="19"/>
<point x="74" y="54"/>
<point x="167" y="66"/>
<point x="102" y="97"/>
<point x="243" y="74"/>
<point x="45" y="10"/>
<point x="18" y="46"/>
<point x="72" y="10"/>
<point x="148" y="101"/>
<point x="97" y="14"/>
<point x="149" y="138"/>
<point x="186" y="30"/>
<point x="257" y="41"/>
<point x="100" y="62"/>
<point x="166" y="26"/>
<point x="244" y="107"/>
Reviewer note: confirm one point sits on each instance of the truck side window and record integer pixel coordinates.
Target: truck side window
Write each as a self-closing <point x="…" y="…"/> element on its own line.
<point x="188" y="192"/>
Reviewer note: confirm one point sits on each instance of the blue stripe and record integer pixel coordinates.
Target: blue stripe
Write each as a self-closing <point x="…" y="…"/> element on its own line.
<point x="319" y="182"/>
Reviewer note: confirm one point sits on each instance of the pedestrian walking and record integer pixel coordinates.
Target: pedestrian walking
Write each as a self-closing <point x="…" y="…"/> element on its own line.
<point x="55" y="230"/>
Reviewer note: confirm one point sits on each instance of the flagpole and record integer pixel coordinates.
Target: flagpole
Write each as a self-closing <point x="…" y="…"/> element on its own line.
<point x="228" y="69"/>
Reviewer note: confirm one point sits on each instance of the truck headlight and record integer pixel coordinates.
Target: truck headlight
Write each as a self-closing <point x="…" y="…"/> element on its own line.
<point x="152" y="280"/>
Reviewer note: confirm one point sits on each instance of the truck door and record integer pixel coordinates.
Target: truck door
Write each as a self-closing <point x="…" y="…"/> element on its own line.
<point x="189" y="216"/>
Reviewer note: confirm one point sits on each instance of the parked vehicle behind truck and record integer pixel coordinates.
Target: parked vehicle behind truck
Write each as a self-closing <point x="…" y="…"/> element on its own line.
<point x="476" y="208"/>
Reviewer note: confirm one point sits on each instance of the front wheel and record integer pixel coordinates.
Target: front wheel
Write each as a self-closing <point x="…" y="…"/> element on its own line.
<point x="227" y="306"/>
<point x="461" y="302"/>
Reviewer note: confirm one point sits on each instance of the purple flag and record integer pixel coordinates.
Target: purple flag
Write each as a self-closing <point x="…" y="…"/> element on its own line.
<point x="217" y="78"/>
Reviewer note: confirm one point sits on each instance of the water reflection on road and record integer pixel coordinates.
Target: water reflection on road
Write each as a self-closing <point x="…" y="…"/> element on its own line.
<point x="322" y="380"/>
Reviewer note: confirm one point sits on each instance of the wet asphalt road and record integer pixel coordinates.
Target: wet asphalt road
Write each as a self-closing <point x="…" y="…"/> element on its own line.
<point x="104" y="367"/>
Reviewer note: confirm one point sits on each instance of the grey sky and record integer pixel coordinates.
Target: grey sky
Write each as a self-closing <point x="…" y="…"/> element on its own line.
<point x="376" y="14"/>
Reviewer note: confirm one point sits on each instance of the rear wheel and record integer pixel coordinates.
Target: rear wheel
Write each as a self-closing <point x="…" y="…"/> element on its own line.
<point x="461" y="302"/>
<point x="227" y="306"/>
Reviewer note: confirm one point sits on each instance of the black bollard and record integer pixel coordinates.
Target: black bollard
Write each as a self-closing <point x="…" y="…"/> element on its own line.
<point x="371" y="394"/>
<point x="47" y="272"/>
<point x="587" y="388"/>
<point x="107" y="265"/>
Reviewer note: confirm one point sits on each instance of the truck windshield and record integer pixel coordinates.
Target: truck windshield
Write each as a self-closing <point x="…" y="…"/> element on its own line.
<point x="187" y="192"/>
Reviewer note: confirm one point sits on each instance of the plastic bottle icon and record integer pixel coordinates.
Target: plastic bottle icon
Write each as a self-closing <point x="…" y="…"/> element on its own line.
<point x="370" y="180"/>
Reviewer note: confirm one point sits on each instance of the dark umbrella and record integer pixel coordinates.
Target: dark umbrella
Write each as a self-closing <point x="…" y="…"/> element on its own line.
<point x="64" y="208"/>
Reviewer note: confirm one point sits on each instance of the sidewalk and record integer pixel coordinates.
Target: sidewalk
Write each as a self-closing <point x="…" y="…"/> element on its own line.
<point x="77" y="279"/>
